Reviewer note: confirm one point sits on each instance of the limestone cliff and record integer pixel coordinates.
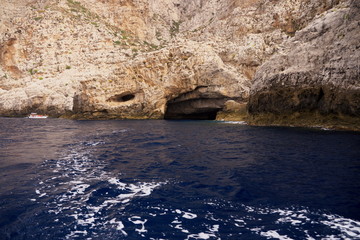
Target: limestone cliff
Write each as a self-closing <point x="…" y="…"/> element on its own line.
<point x="315" y="78"/>
<point x="143" y="87"/>
<point x="141" y="58"/>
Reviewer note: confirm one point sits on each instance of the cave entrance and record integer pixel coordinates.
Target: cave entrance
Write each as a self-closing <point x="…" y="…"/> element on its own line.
<point x="194" y="109"/>
<point x="202" y="103"/>
<point x="121" y="98"/>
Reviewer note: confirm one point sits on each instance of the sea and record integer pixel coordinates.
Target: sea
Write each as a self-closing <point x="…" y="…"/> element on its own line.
<point x="159" y="179"/>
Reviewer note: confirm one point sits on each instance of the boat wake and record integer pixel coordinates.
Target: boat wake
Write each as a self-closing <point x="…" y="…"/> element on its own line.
<point x="86" y="199"/>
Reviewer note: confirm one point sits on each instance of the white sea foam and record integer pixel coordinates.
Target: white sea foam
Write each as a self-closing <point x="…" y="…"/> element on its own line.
<point x="187" y="215"/>
<point x="117" y="182"/>
<point x="75" y="234"/>
<point x="85" y="222"/>
<point x="176" y="221"/>
<point x="271" y="234"/>
<point x="294" y="219"/>
<point x="70" y="197"/>
<point x="215" y="228"/>
<point x="79" y="189"/>
<point x="177" y="224"/>
<point x="119" y="226"/>
<point x="137" y="221"/>
<point x="78" y="196"/>
<point x="239" y="223"/>
<point x="348" y="227"/>
<point x="201" y="235"/>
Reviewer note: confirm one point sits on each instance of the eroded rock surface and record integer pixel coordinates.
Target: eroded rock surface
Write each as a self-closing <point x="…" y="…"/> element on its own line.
<point x="140" y="58"/>
<point x="317" y="72"/>
<point x="143" y="88"/>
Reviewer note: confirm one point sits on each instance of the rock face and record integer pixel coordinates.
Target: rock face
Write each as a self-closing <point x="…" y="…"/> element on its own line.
<point x="317" y="72"/>
<point x="152" y="58"/>
<point x="145" y="87"/>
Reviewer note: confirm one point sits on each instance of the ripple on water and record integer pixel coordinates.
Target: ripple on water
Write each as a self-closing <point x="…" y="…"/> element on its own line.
<point x="85" y="197"/>
<point x="87" y="201"/>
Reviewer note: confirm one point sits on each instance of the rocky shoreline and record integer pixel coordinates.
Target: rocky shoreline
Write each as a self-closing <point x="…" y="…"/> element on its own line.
<point x="291" y="63"/>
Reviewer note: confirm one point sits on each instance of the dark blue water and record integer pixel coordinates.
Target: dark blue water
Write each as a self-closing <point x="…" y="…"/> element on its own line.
<point x="62" y="179"/>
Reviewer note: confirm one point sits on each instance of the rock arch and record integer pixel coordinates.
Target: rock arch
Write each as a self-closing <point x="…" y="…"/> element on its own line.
<point x="199" y="104"/>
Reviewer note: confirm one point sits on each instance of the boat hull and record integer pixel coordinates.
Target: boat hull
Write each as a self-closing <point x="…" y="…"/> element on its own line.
<point x="35" y="115"/>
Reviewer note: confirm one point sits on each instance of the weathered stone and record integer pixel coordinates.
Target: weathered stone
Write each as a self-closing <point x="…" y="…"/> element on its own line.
<point x="318" y="70"/>
<point x="154" y="82"/>
<point x="139" y="59"/>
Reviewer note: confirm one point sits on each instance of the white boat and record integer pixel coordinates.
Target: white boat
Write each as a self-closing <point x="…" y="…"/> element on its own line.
<point x="35" y="115"/>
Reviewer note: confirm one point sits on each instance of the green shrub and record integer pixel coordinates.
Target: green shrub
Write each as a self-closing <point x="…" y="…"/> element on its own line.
<point x="175" y="28"/>
<point x="33" y="71"/>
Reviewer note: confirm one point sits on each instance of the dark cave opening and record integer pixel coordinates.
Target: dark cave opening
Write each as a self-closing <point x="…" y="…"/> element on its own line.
<point x="121" y="98"/>
<point x="210" y="115"/>
<point x="127" y="97"/>
<point x="195" y="109"/>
